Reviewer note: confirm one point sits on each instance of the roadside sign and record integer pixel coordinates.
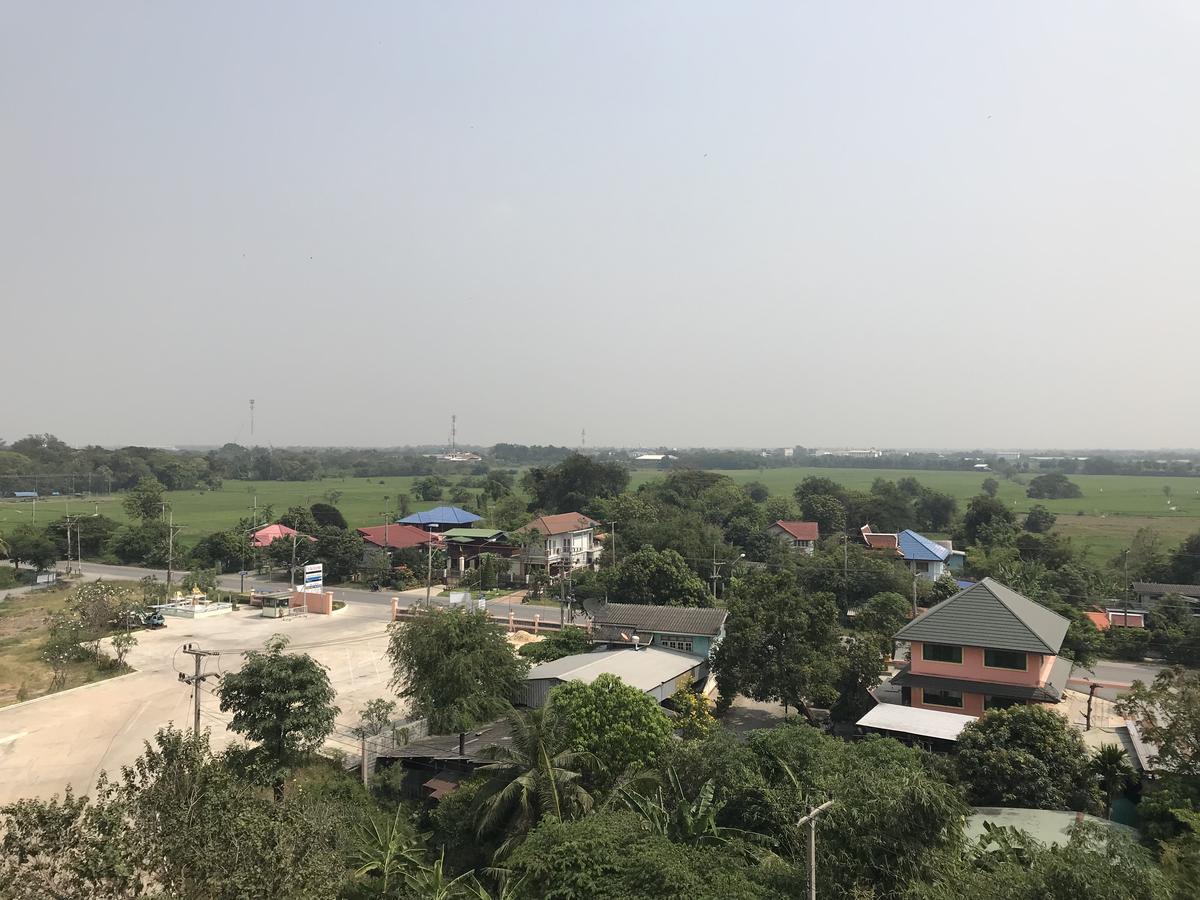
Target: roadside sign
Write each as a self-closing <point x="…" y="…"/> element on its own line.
<point x="314" y="580"/>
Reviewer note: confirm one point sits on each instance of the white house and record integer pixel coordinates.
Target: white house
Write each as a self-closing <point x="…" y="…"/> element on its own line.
<point x="570" y="542"/>
<point x="800" y="536"/>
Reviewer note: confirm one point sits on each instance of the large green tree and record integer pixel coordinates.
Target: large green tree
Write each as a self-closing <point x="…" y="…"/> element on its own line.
<point x="145" y="501"/>
<point x="656" y="577"/>
<point x="177" y="823"/>
<point x="1025" y="756"/>
<point x="283" y="702"/>
<point x="779" y="644"/>
<point x="618" y="724"/>
<point x="1168" y="713"/>
<point x="573" y="484"/>
<point x="455" y="666"/>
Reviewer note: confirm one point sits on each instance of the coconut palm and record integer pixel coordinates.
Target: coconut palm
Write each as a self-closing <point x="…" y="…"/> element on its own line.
<point x="531" y="777"/>
<point x="1111" y="766"/>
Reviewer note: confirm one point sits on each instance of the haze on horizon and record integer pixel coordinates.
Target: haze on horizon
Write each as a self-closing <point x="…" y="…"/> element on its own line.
<point x="944" y="225"/>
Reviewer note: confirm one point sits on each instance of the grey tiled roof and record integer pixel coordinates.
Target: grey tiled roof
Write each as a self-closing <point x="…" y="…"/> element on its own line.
<point x="989" y="614"/>
<point x="661" y="619"/>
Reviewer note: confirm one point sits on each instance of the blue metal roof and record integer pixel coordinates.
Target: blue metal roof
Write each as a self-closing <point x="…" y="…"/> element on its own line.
<point x="442" y="515"/>
<point x="918" y="547"/>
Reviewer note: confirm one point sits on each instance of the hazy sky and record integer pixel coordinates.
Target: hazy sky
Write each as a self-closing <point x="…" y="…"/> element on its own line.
<point x="900" y="224"/>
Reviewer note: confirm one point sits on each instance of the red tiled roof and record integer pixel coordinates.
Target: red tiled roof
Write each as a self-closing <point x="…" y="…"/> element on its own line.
<point x="801" y="531"/>
<point x="269" y="534"/>
<point x="399" y="537"/>
<point x="1100" y="620"/>
<point x="563" y="523"/>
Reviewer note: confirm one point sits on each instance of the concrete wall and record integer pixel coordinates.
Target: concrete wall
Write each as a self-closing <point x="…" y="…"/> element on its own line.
<point x="1038" y="667"/>
<point x="318" y="604"/>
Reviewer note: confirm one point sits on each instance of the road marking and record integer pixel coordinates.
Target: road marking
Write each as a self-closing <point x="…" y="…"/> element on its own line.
<point x="134" y="717"/>
<point x="13" y="737"/>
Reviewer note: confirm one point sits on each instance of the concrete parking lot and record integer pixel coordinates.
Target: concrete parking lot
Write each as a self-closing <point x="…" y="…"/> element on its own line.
<point x="69" y="738"/>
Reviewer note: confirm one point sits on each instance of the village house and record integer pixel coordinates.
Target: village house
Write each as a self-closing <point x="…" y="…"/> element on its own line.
<point x="985" y="648"/>
<point x="925" y="558"/>
<point x="569" y="542"/>
<point x="685" y="628"/>
<point x="466" y="548"/>
<point x="392" y="537"/>
<point x="801" y="536"/>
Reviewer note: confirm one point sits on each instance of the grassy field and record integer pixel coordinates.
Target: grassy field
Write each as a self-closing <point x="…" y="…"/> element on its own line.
<point x="1112" y="508"/>
<point x="363" y="502"/>
<point x="1104" y="519"/>
<point x="23" y="673"/>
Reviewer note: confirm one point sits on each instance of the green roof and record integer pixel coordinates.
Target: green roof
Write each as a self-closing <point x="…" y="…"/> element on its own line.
<point x="989" y="614"/>
<point x="472" y="533"/>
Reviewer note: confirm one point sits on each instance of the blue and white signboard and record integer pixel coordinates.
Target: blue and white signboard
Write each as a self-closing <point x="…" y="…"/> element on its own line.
<point x="314" y="578"/>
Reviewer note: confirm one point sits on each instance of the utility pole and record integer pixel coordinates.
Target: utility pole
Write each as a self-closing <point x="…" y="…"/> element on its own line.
<point x="811" y="821"/>
<point x="612" y="533"/>
<point x="196" y="680"/>
<point x="1126" y="589"/>
<point x="715" y="574"/>
<point x="172" y="530"/>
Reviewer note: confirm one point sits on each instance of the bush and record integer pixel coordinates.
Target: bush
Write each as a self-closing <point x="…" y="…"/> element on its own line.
<point x="556" y="645"/>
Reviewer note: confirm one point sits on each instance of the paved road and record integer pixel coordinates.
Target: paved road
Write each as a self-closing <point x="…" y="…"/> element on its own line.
<point x="1117" y="671"/>
<point x="349" y="594"/>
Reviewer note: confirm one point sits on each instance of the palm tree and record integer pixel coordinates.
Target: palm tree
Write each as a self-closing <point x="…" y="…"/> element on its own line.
<point x="1111" y="766"/>
<point x="531" y="777"/>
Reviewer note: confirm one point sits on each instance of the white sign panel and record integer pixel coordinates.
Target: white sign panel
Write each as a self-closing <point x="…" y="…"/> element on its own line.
<point x="314" y="578"/>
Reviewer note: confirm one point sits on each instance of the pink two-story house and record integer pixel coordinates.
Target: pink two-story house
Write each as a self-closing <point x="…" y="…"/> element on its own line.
<point x="987" y="647"/>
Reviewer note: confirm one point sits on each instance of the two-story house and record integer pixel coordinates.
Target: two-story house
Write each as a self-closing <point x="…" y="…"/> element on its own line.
<point x="801" y="536"/>
<point x="987" y="647"/>
<point x="568" y="541"/>
<point x="925" y="558"/>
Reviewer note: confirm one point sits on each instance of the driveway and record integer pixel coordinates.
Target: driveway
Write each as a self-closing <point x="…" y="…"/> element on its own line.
<point x="70" y="737"/>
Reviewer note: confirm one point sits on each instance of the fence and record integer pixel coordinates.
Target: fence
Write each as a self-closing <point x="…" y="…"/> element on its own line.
<point x="511" y="621"/>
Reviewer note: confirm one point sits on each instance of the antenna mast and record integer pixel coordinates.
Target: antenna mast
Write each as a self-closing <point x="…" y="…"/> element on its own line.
<point x="252" y="421"/>
<point x="453" y="431"/>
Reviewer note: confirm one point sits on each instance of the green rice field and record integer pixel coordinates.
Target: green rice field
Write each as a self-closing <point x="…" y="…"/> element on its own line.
<point x="1112" y="508"/>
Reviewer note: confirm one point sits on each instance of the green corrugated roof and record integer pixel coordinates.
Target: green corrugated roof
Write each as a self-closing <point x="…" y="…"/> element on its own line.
<point x="989" y="614"/>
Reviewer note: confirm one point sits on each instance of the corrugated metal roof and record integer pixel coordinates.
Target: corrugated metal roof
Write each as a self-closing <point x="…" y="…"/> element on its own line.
<point x="472" y="533"/>
<point x="989" y="615"/>
<point x="920" y="548"/>
<point x="441" y="515"/>
<point x="914" y="720"/>
<point x="644" y="669"/>
<point x="662" y="619"/>
<point x="1153" y="587"/>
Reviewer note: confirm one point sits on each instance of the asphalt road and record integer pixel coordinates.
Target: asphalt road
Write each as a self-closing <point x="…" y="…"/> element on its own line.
<point x="347" y="594"/>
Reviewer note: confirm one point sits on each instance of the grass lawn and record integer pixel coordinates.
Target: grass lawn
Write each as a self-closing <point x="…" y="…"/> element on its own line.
<point x="23" y="674"/>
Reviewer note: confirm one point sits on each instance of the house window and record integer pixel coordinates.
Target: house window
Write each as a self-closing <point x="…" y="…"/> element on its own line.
<point x="990" y="702"/>
<point x="946" y="653"/>
<point x="1004" y="659"/>
<point x="942" y="697"/>
<point x="677" y="643"/>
